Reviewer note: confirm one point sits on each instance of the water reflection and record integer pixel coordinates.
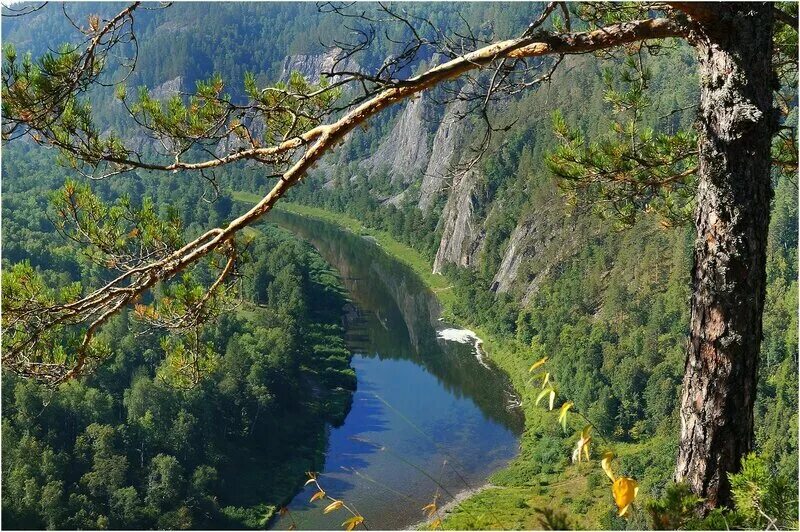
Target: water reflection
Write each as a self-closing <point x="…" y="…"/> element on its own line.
<point x="407" y="315"/>
<point x="420" y="401"/>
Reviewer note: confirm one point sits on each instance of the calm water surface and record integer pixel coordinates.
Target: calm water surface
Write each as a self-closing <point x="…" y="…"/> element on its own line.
<point x="424" y="409"/>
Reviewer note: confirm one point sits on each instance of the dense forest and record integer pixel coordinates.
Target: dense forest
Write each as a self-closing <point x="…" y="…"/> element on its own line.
<point x="608" y="302"/>
<point x="131" y="446"/>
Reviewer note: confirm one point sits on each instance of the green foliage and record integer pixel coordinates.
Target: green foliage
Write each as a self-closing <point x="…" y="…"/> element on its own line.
<point x="675" y="509"/>
<point x="134" y="447"/>
<point x="184" y="121"/>
<point x="553" y="519"/>
<point x="598" y="14"/>
<point x="763" y="498"/>
<point x="43" y="94"/>
<point x="118" y="235"/>
<point x="635" y="169"/>
<point x="293" y="106"/>
<point x="26" y="293"/>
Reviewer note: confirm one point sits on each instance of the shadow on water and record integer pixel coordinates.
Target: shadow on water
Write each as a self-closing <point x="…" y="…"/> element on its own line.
<point x="421" y="401"/>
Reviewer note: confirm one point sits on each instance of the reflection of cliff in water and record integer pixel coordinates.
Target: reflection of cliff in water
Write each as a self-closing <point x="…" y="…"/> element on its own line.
<point x="401" y="316"/>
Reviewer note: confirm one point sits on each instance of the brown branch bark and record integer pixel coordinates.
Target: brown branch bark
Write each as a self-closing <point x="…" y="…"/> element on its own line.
<point x="127" y="287"/>
<point x="524" y="47"/>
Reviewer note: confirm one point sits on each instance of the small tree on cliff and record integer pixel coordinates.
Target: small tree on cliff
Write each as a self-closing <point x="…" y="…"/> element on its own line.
<point x="737" y="53"/>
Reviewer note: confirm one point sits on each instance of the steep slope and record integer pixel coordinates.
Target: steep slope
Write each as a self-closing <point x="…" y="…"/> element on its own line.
<point x="449" y="135"/>
<point x="462" y="234"/>
<point x="406" y="150"/>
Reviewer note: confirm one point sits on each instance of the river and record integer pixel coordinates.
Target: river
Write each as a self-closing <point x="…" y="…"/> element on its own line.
<point x="427" y="415"/>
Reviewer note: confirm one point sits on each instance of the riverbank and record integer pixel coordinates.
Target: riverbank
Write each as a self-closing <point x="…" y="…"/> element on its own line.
<point x="458" y="404"/>
<point x="526" y="484"/>
<point x="408" y="256"/>
<point x="448" y="507"/>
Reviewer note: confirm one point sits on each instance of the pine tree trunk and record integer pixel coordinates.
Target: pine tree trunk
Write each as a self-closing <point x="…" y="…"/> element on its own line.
<point x="735" y="125"/>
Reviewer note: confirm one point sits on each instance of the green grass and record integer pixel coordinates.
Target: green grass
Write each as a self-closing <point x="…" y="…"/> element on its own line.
<point x="245" y="197"/>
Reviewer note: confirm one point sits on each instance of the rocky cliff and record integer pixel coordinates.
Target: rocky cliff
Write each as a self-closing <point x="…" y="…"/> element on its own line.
<point x="538" y="243"/>
<point x="462" y="232"/>
<point x="505" y="217"/>
<point x="406" y="151"/>
<point x="444" y="154"/>
<point x="312" y="66"/>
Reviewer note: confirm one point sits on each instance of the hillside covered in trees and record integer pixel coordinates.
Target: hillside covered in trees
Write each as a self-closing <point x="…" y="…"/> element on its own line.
<point x="603" y="292"/>
<point x="137" y="445"/>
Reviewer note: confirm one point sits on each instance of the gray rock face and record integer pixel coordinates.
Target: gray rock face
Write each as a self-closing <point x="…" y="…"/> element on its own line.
<point x="514" y="256"/>
<point x="406" y="151"/>
<point x="443" y="154"/>
<point x="463" y="234"/>
<point x="139" y="140"/>
<point x="311" y="66"/>
<point x="538" y="243"/>
<point x="168" y="89"/>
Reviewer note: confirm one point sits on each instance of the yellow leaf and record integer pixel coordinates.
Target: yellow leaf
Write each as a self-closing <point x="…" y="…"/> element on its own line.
<point x="332" y="507"/>
<point x="538" y="364"/>
<point x="605" y="463"/>
<point x="545" y="379"/>
<point x="582" y="447"/>
<point x="552" y="397"/>
<point x="429" y="509"/>
<point x="353" y="522"/>
<point x="586" y="439"/>
<point x="562" y="416"/>
<point x="436" y="523"/>
<point x="318" y="495"/>
<point x="625" y="490"/>
<point x="541" y="395"/>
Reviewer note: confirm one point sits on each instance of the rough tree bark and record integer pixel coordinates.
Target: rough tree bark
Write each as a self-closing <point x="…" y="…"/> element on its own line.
<point x="735" y="126"/>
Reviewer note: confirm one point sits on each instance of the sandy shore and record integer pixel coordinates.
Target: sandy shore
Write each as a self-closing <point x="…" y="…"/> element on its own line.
<point x="449" y="506"/>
